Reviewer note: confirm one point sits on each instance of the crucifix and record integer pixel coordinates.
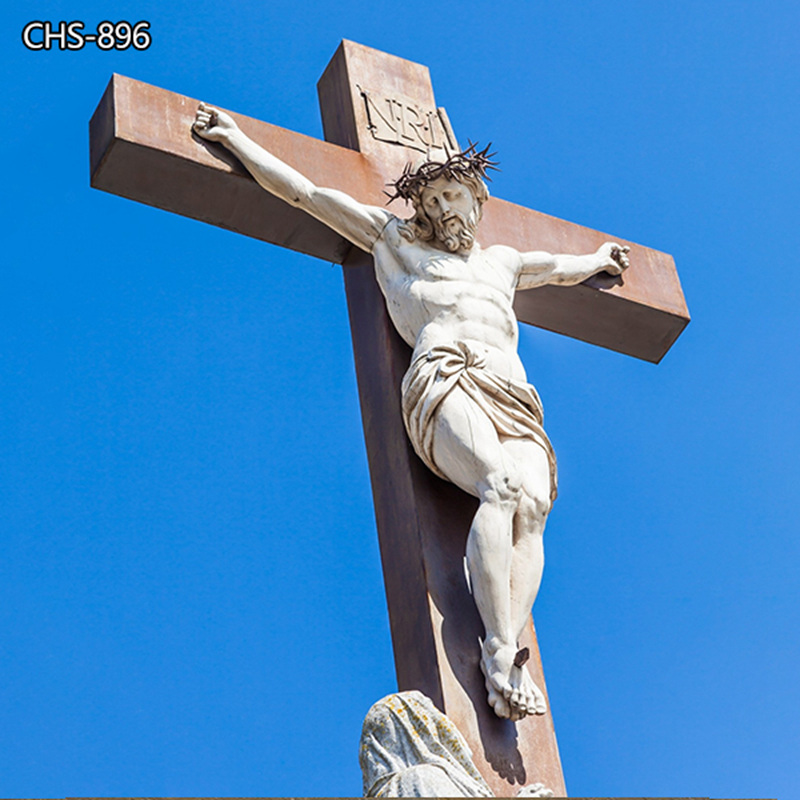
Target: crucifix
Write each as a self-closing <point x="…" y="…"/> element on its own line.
<point x="423" y="437"/>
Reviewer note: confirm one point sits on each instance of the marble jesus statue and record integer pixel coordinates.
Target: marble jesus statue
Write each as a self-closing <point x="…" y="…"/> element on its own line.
<point x="468" y="409"/>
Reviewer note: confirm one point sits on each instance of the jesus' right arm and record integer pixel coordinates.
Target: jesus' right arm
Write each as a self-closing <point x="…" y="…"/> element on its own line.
<point x="358" y="223"/>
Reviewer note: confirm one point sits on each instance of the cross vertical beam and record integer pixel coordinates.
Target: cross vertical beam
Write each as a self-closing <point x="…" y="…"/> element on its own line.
<point x="423" y="521"/>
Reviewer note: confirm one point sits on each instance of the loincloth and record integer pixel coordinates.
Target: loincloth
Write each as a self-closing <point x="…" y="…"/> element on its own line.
<point x="513" y="407"/>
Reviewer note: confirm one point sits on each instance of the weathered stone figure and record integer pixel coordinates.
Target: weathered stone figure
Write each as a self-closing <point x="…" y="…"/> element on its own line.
<point x="410" y="749"/>
<point x="468" y="409"/>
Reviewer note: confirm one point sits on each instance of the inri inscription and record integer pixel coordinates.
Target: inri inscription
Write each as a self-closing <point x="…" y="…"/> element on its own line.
<point x="399" y="120"/>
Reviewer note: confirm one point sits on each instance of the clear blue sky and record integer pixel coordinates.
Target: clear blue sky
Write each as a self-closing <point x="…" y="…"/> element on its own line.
<point x="191" y="599"/>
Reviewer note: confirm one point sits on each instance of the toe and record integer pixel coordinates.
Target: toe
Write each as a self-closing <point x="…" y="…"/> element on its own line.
<point x="496" y="701"/>
<point x="502" y="709"/>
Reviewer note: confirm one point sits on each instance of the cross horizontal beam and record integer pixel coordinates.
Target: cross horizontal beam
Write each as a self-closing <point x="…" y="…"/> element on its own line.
<point x="141" y="148"/>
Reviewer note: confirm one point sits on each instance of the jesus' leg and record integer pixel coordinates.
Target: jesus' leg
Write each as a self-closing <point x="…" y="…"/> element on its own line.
<point x="528" y="553"/>
<point x="522" y="695"/>
<point x="468" y="451"/>
<point x="526" y="571"/>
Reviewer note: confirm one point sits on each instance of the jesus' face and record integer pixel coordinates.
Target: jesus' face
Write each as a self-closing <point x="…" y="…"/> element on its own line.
<point x="453" y="211"/>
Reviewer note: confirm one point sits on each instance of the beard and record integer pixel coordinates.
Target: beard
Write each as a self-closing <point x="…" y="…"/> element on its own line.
<point x="456" y="232"/>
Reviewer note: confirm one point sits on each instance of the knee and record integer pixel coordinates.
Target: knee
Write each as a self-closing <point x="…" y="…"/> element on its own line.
<point x="534" y="508"/>
<point x="504" y="486"/>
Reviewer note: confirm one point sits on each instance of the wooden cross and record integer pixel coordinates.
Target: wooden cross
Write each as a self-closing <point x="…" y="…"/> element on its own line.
<point x="378" y="114"/>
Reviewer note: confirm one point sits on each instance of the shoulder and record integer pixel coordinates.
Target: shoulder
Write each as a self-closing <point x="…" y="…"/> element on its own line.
<point x="505" y="256"/>
<point x="393" y="230"/>
<point x="382" y="215"/>
<point x="379" y="218"/>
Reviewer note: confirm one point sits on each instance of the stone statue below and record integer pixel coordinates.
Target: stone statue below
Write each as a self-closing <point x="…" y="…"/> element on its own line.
<point x="468" y="409"/>
<point x="410" y="749"/>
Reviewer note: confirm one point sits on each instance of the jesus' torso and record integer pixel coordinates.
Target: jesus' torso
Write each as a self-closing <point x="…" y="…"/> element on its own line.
<point x="435" y="297"/>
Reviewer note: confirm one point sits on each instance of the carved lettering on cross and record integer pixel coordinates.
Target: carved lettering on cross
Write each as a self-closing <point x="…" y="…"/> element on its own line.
<point x="141" y="148"/>
<point x="400" y="121"/>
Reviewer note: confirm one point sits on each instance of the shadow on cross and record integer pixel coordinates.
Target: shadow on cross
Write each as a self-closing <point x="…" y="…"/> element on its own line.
<point x="604" y="280"/>
<point x="221" y="154"/>
<point x="462" y="627"/>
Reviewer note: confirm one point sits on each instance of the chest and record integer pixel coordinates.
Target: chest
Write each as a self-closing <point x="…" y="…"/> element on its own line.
<point x="424" y="271"/>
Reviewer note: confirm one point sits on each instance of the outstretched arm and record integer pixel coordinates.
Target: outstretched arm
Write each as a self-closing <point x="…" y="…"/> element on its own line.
<point x="360" y="224"/>
<point x="538" y="269"/>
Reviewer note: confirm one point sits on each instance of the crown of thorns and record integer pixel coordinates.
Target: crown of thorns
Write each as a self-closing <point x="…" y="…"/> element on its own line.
<point x="471" y="162"/>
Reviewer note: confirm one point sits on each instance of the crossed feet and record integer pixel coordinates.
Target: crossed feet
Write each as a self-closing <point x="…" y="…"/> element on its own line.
<point x="512" y="692"/>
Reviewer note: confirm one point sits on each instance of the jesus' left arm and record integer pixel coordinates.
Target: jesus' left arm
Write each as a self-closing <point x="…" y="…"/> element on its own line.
<point x="538" y="268"/>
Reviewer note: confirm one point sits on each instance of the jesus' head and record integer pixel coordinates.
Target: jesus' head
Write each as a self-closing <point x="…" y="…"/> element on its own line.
<point x="447" y="199"/>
